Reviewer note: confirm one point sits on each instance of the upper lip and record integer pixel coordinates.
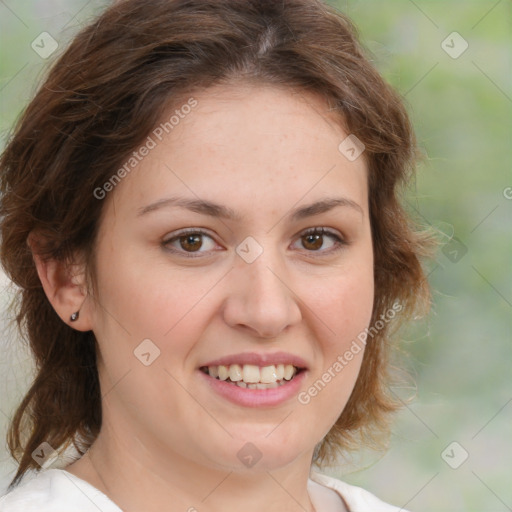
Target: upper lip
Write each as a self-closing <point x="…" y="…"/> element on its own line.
<point x="263" y="359"/>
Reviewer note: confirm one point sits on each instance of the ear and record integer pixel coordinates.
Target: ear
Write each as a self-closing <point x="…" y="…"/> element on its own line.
<point x="66" y="288"/>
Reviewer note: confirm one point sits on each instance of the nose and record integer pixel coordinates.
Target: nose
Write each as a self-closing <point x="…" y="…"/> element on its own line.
<point x="261" y="298"/>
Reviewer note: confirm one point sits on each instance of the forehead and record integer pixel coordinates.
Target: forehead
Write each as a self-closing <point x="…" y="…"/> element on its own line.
<point x="251" y="114"/>
<point x="243" y="143"/>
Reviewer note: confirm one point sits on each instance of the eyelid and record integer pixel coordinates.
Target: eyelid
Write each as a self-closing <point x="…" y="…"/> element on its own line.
<point x="186" y="231"/>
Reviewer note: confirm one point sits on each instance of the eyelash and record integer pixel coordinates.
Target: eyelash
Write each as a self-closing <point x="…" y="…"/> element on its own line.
<point x="340" y="243"/>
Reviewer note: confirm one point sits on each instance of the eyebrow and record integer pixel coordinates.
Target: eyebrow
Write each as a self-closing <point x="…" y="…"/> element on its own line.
<point x="212" y="209"/>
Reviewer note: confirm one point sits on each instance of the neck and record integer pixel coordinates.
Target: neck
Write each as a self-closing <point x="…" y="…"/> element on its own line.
<point x="133" y="478"/>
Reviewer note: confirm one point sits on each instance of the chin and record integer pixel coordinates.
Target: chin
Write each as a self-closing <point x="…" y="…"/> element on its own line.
<point x="252" y="453"/>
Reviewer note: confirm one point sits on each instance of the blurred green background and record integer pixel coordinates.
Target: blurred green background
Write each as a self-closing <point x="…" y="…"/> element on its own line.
<point x="461" y="355"/>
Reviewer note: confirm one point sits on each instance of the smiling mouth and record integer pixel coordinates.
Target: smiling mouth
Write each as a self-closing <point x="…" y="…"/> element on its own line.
<point x="253" y="377"/>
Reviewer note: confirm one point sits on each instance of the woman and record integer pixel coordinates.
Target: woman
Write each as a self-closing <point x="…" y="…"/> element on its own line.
<point x="200" y="207"/>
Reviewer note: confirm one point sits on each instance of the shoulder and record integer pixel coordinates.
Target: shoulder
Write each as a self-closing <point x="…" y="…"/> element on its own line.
<point x="355" y="498"/>
<point x="56" y="490"/>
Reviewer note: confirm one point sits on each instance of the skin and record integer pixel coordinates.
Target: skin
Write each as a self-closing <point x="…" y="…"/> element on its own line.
<point x="166" y="437"/>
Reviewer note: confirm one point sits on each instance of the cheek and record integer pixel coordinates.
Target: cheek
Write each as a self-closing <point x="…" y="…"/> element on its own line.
<point x="345" y="310"/>
<point x="142" y="297"/>
<point x="344" y="303"/>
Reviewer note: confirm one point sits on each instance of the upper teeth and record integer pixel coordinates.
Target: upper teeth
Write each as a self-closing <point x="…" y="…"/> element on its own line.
<point x="250" y="373"/>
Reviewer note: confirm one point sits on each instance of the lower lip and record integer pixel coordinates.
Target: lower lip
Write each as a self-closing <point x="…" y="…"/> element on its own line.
<point x="256" y="397"/>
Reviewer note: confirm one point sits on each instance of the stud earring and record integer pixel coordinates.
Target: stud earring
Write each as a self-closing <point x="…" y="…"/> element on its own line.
<point x="74" y="317"/>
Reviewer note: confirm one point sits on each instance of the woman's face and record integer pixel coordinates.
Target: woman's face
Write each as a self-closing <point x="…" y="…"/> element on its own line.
<point x="247" y="172"/>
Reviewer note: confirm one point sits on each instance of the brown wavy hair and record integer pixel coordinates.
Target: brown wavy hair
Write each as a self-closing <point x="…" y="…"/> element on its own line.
<point x="100" y="100"/>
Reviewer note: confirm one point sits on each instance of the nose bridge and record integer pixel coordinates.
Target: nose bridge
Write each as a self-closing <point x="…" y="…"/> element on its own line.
<point x="259" y="298"/>
<point x="265" y="277"/>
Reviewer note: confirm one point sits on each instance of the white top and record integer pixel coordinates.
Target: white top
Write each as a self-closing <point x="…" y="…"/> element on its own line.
<point x="56" y="490"/>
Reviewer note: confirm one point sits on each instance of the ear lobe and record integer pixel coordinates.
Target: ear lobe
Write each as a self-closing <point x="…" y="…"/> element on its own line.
<point x="65" y="287"/>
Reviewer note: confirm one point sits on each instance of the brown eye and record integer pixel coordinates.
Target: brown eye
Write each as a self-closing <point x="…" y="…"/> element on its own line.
<point x="314" y="240"/>
<point x="189" y="242"/>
